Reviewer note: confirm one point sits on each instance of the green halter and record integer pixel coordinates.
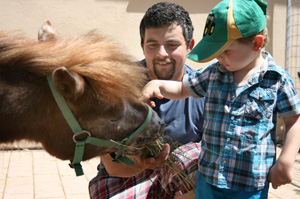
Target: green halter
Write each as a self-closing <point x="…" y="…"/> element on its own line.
<point x="80" y="144"/>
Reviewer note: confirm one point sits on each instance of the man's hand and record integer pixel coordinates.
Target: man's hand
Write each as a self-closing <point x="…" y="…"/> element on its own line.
<point x="158" y="162"/>
<point x="125" y="171"/>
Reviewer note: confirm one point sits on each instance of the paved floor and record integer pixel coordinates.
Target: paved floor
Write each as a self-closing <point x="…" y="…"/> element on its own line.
<point x="34" y="174"/>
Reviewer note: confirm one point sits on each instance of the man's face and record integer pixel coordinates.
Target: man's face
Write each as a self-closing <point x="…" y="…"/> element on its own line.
<point x="165" y="51"/>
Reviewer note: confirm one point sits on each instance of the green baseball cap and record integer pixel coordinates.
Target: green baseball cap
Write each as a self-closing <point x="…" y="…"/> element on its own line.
<point x="227" y="21"/>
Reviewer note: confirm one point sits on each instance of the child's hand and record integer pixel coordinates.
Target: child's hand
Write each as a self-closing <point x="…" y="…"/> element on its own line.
<point x="280" y="174"/>
<point x="151" y="90"/>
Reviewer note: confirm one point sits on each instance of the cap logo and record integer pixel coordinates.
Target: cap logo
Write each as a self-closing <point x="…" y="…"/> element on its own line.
<point x="209" y="26"/>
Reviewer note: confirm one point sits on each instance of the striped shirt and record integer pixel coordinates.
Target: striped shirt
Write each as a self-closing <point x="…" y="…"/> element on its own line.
<point x="239" y="138"/>
<point x="151" y="184"/>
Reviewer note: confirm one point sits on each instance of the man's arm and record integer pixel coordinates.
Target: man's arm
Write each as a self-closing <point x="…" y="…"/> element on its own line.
<point x="280" y="173"/>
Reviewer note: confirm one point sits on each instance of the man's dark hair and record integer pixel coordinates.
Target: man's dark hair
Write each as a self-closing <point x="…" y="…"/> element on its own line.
<point x="165" y="14"/>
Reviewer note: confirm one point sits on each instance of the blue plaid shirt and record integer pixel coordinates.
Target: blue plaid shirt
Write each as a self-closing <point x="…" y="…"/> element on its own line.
<point x="239" y="138"/>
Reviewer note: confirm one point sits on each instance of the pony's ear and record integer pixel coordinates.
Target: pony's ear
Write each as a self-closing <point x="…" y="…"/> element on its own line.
<point x="47" y="32"/>
<point x="70" y="85"/>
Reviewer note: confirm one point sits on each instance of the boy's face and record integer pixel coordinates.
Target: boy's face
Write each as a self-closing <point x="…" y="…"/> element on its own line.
<point x="165" y="51"/>
<point x="238" y="56"/>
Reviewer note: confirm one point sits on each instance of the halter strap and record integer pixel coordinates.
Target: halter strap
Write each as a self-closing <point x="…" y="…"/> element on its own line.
<point x="77" y="130"/>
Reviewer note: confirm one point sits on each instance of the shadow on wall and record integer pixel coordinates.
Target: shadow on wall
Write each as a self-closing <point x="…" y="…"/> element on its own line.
<point x="192" y="6"/>
<point x="200" y="7"/>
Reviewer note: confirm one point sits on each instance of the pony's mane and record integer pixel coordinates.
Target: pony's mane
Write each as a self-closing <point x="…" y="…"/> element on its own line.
<point x="101" y="62"/>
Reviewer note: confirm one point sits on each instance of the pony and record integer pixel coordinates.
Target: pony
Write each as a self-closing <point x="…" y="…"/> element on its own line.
<point x="100" y="84"/>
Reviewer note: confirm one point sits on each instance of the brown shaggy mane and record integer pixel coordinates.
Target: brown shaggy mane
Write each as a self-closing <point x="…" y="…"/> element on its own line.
<point x="101" y="62"/>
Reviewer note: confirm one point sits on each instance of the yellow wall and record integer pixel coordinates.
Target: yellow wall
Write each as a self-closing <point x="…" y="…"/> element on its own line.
<point x="120" y="19"/>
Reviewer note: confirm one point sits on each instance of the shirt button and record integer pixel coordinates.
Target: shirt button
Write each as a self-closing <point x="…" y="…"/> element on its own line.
<point x="235" y="148"/>
<point x="224" y="161"/>
<point x="227" y="109"/>
<point x="232" y="117"/>
<point x="228" y="139"/>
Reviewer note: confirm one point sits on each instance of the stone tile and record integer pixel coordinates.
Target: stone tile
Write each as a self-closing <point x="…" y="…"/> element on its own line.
<point x="49" y="191"/>
<point x="18" y="186"/>
<point x="18" y="196"/>
<point x="34" y="174"/>
<point x="77" y="196"/>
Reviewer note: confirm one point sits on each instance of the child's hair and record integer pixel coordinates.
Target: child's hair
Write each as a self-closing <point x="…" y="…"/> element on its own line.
<point x="248" y="40"/>
<point x="264" y="33"/>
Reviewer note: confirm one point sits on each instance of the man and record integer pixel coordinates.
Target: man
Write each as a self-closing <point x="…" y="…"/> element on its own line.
<point x="166" y="33"/>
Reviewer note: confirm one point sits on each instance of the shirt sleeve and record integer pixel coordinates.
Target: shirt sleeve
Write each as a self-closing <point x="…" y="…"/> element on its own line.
<point x="186" y="84"/>
<point x="180" y="176"/>
<point x="288" y="102"/>
<point x="197" y="82"/>
<point x="176" y="178"/>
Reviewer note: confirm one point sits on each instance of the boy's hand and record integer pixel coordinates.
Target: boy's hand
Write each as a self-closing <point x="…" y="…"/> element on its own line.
<point x="280" y="174"/>
<point x="149" y="91"/>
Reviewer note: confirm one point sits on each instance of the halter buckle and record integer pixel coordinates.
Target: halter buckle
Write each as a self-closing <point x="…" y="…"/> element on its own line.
<point x="75" y="136"/>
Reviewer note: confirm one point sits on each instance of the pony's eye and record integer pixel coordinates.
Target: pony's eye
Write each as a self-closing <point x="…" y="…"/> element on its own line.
<point x="117" y="118"/>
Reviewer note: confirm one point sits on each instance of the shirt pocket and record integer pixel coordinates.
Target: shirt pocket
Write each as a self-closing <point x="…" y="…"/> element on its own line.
<point x="260" y="103"/>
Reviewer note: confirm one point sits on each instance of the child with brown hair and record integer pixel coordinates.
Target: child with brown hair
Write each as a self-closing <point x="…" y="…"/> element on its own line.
<point x="243" y="90"/>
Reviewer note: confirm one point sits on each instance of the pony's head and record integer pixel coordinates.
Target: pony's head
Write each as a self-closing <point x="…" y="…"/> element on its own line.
<point x="100" y="84"/>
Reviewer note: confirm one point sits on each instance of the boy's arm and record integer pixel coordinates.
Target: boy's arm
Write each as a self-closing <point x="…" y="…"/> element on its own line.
<point x="280" y="173"/>
<point x="164" y="89"/>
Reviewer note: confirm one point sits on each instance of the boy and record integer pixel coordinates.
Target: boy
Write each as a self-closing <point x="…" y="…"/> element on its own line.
<point x="243" y="91"/>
